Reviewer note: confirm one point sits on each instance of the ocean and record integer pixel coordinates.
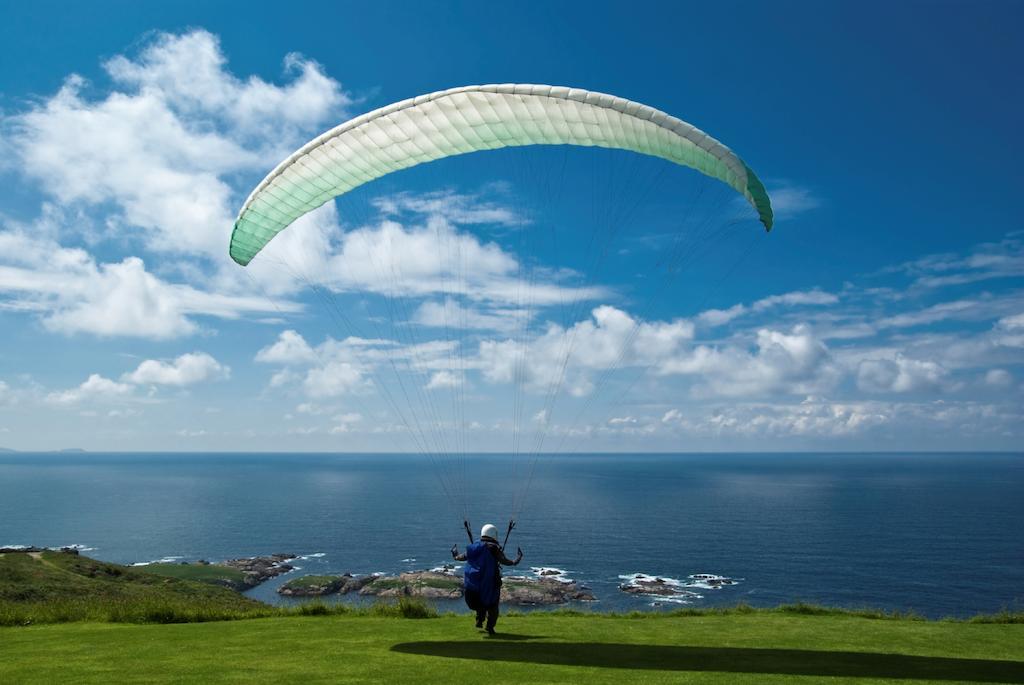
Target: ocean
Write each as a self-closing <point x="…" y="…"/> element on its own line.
<point x="938" y="534"/>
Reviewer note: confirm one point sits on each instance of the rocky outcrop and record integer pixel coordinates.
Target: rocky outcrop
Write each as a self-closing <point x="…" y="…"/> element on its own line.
<point x="258" y="569"/>
<point x="652" y="586"/>
<point x="657" y="586"/>
<point x="440" y="583"/>
<point x="318" y="586"/>
<point x="426" y="584"/>
<point x="38" y="550"/>
<point x="523" y="591"/>
<point x="444" y="584"/>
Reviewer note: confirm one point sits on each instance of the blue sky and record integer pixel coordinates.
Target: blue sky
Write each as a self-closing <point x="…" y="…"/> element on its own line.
<point x="884" y="312"/>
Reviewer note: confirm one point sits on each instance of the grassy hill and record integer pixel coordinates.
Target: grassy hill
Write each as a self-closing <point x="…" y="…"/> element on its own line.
<point x="204" y="573"/>
<point x="110" y="623"/>
<point x="50" y="586"/>
<point x="758" y="647"/>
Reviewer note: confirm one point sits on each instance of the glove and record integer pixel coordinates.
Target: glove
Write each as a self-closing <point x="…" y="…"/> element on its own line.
<point x="455" y="551"/>
<point x="519" y="554"/>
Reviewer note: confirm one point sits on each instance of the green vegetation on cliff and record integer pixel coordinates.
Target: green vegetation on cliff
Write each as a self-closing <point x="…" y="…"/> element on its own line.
<point x="49" y="587"/>
<point x="203" y="573"/>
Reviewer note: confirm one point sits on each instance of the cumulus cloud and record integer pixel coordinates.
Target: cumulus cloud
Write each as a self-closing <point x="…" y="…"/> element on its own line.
<point x="393" y="259"/>
<point x="289" y="348"/>
<point x="794" y="362"/>
<point x="332" y="369"/>
<point x="161" y="144"/>
<point x="96" y="388"/>
<point x="610" y="338"/>
<point x="899" y="375"/>
<point x="73" y="293"/>
<point x="334" y="379"/>
<point x="188" y="369"/>
<point x="998" y="378"/>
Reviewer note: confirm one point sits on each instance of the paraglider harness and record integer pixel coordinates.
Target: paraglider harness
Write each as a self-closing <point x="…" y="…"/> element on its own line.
<point x="482" y="584"/>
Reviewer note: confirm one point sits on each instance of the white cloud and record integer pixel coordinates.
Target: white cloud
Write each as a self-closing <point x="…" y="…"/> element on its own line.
<point x="187" y="369"/>
<point x="290" y="348"/>
<point x="999" y="378"/>
<point x="1009" y="331"/>
<point x="899" y="375"/>
<point x="798" y="298"/>
<point x="123" y="413"/>
<point x="333" y="379"/>
<point x="790" y="200"/>
<point x="611" y="338"/>
<point x="96" y="388"/>
<point x="75" y="294"/>
<point x="452" y="315"/>
<point x="442" y="379"/>
<point x="814" y="417"/>
<point x="343" y="423"/>
<point x="408" y="261"/>
<point x="794" y="362"/>
<point x="454" y="207"/>
<point x="986" y="261"/>
<point x="160" y="147"/>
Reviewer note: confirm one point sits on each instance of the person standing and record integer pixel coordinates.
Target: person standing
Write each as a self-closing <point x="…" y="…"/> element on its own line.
<point x="482" y="576"/>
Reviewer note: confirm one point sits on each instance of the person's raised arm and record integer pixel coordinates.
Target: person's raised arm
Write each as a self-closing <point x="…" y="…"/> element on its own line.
<point x="505" y="561"/>
<point x="455" y="554"/>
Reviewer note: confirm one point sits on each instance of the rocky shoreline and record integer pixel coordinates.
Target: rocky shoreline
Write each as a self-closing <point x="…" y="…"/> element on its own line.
<point x="258" y="570"/>
<point x="546" y="587"/>
<point x="443" y="583"/>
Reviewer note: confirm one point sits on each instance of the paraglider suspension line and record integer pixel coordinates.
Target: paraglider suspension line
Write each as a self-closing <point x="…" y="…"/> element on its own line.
<point x="511" y="525"/>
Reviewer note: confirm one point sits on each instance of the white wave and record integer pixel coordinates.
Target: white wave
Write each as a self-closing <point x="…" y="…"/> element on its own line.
<point x="710" y="581"/>
<point x="552" y="573"/>
<point x="636" y="578"/>
<point x="80" y="548"/>
<point x="408" y="561"/>
<point x="307" y="557"/>
<point x="15" y="546"/>
<point x="164" y="560"/>
<point x="677" y="599"/>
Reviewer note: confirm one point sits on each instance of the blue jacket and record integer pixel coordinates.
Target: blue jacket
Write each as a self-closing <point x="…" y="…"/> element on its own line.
<point x="483" y="571"/>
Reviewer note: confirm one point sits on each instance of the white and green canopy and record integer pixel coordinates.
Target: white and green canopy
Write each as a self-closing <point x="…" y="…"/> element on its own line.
<point x="468" y="119"/>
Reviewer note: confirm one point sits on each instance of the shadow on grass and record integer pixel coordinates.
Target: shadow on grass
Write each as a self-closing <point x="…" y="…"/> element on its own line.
<point x="726" y="659"/>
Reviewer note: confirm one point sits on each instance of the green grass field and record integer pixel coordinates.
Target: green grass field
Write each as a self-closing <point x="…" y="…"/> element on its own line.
<point x="536" y="648"/>
<point x="70" y="619"/>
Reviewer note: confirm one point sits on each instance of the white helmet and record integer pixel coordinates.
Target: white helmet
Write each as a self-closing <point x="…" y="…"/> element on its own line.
<point x="489" y="531"/>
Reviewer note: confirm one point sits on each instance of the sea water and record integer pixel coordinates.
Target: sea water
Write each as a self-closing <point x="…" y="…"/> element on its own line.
<point x="939" y="534"/>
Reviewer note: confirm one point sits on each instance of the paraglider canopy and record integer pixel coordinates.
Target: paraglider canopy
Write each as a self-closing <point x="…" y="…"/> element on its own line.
<point x="468" y="119"/>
